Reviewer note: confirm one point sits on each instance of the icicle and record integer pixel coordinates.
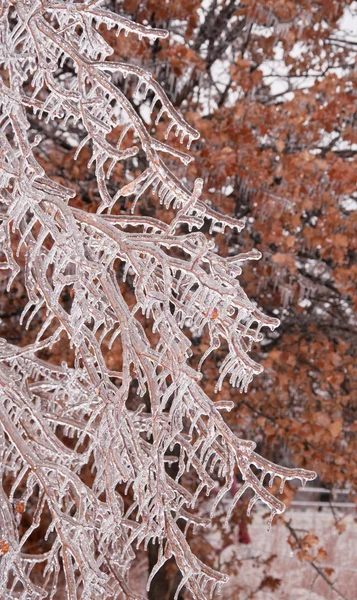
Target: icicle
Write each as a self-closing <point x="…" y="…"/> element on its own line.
<point x="251" y="504"/>
<point x="152" y="106"/>
<point x="271" y="518"/>
<point x="262" y="476"/>
<point x="81" y="146"/>
<point x="138" y="86"/>
<point x="283" y="479"/>
<point x="160" y="113"/>
<point x="237" y="496"/>
<point x="169" y="129"/>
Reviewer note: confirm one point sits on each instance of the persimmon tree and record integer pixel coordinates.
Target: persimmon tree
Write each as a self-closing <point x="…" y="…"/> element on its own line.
<point x="129" y="418"/>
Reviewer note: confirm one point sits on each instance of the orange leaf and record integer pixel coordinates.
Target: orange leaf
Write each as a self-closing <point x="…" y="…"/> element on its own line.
<point x="335" y="428"/>
<point x="321" y="553"/>
<point x="4" y="547"/>
<point x="20" y="508"/>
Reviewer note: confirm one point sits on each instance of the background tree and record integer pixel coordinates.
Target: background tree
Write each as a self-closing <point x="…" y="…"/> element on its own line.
<point x="271" y="88"/>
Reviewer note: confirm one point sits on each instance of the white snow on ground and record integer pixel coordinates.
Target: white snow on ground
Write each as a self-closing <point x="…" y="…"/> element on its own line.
<point x="298" y="579"/>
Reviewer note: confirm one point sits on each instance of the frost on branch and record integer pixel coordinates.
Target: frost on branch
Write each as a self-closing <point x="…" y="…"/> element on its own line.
<point x="56" y="69"/>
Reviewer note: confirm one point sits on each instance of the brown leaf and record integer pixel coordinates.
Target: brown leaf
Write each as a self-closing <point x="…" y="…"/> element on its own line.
<point x="270" y="582"/>
<point x="20" y="507"/>
<point x="341" y="527"/>
<point x="321" y="554"/>
<point x="335" y="428"/>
